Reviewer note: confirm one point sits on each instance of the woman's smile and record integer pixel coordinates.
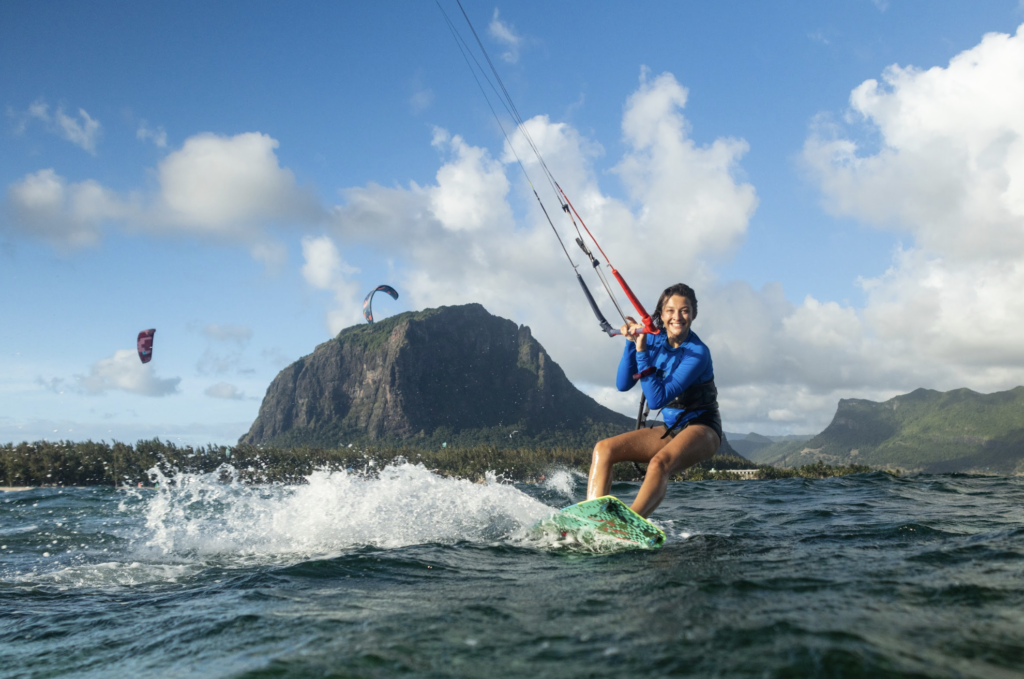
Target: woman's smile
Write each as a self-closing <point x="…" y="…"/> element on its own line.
<point x="676" y="316"/>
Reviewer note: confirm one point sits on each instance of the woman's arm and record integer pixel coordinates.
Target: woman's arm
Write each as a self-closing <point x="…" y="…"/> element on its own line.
<point x="627" y="368"/>
<point x="660" y="391"/>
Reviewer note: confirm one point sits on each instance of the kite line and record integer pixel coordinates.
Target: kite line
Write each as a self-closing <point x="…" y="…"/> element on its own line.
<point x="563" y="200"/>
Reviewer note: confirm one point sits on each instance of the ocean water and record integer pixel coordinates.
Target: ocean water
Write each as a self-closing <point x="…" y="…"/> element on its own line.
<point x="404" y="573"/>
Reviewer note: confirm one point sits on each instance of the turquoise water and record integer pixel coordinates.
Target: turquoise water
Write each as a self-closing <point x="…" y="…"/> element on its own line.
<point x="407" y="573"/>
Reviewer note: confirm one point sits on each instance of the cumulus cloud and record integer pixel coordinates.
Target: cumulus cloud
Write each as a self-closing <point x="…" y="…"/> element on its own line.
<point x="948" y="169"/>
<point x="506" y="35"/>
<point x="469" y="188"/>
<point x="225" y="391"/>
<point x="82" y="131"/>
<point x="67" y="215"/>
<point x="227" y="188"/>
<point x="217" y="184"/>
<point x="123" y="371"/>
<point x="324" y="269"/>
<point x="686" y="190"/>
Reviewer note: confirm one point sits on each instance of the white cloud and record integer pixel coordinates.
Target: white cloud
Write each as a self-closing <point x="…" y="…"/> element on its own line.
<point x="225" y="391"/>
<point x="949" y="169"/>
<point x="469" y="188"/>
<point x="125" y="372"/>
<point x="505" y="35"/>
<point x="82" y="134"/>
<point x="83" y="131"/>
<point x="227" y="188"/>
<point x="66" y="215"/>
<point x="690" y="194"/>
<point x="224" y="185"/>
<point x="40" y="110"/>
<point x="326" y="270"/>
<point x="157" y="136"/>
<point x="966" y="318"/>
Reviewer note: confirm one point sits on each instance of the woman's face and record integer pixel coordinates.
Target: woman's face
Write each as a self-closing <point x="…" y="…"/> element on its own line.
<point x="676" y="315"/>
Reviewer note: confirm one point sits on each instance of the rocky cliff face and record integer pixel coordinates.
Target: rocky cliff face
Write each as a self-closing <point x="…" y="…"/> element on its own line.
<point x="455" y="374"/>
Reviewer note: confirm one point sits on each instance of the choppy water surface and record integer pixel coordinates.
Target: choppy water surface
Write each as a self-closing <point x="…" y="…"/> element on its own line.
<point x="409" y="573"/>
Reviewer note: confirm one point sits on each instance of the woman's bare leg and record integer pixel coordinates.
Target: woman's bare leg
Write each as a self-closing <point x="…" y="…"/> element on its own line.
<point x="633" y="446"/>
<point x="693" y="444"/>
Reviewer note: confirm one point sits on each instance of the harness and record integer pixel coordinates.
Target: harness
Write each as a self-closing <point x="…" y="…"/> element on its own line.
<point x="702" y="396"/>
<point x="697" y="397"/>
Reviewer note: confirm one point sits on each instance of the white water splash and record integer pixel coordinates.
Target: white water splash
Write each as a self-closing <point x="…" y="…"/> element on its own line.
<point x="564" y="482"/>
<point x="405" y="504"/>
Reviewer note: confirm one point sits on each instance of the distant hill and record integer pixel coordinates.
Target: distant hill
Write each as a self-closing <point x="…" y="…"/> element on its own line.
<point x="748" y="445"/>
<point x="924" y="430"/>
<point x="453" y="375"/>
<point x="758" y="447"/>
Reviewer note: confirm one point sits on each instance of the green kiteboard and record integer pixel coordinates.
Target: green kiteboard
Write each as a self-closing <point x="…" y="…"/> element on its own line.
<point x="605" y="518"/>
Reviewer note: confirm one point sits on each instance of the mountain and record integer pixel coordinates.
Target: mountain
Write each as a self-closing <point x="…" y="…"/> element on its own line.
<point x="924" y="430"/>
<point x="749" y="444"/>
<point x="453" y="375"/>
<point x="758" y="447"/>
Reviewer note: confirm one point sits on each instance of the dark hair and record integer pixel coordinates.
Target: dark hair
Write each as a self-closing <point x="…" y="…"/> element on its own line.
<point x="681" y="289"/>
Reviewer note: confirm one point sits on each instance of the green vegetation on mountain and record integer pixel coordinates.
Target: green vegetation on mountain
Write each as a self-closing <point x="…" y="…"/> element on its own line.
<point x="924" y="430"/>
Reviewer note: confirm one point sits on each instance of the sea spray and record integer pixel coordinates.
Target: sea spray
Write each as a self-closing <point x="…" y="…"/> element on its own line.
<point x="334" y="511"/>
<point x="565" y="483"/>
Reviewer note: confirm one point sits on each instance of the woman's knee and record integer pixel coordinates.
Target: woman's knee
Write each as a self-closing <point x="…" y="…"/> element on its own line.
<point x="660" y="464"/>
<point x="602" y="450"/>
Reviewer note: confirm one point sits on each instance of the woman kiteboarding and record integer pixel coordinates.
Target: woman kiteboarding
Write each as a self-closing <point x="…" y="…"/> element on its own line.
<point x="671" y="363"/>
<point x="675" y="373"/>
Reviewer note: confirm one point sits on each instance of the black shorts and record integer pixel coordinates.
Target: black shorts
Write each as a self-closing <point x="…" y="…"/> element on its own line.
<point x="710" y="417"/>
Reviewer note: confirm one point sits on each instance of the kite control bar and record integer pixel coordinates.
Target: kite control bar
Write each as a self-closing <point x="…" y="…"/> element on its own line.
<point x="645" y="317"/>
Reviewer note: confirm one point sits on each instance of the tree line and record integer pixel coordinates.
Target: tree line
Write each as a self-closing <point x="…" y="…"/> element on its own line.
<point x="89" y="463"/>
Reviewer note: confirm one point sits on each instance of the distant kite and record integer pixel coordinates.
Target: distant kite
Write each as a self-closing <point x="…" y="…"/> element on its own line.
<point x="368" y="302"/>
<point x="146" y="345"/>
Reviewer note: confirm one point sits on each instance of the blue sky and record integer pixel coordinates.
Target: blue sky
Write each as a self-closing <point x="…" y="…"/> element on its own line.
<point x="238" y="175"/>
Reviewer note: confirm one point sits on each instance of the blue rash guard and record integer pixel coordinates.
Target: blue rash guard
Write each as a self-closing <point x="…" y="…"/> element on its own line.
<point x="676" y="369"/>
